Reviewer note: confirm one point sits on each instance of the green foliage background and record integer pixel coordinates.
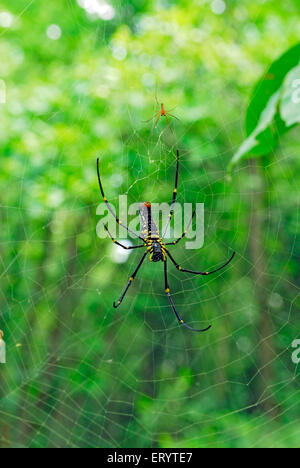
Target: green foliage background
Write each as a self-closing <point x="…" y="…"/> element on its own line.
<point x="78" y="372"/>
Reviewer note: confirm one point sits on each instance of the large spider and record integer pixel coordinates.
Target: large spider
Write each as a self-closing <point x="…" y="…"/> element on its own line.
<point x="154" y="245"/>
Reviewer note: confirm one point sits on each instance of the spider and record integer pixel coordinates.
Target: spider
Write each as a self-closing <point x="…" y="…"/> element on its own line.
<point x="162" y="113"/>
<point x="155" y="246"/>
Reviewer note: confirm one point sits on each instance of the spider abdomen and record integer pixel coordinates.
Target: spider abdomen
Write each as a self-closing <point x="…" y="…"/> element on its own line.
<point x="156" y="252"/>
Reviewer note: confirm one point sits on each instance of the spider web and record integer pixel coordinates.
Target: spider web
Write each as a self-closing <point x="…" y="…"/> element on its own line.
<point x="78" y="372"/>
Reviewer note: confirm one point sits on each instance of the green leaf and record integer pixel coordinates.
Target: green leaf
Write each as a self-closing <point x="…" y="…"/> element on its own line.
<point x="261" y="140"/>
<point x="290" y="99"/>
<point x="270" y="83"/>
<point x="273" y="92"/>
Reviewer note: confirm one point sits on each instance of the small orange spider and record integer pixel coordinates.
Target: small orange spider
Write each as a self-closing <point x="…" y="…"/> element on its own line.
<point x="162" y="113"/>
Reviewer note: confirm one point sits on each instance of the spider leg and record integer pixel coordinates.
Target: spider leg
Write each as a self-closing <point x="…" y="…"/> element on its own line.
<point x="110" y="208"/>
<point x="156" y="99"/>
<point x="184" y="233"/>
<point x="149" y="120"/>
<point x="199" y="272"/>
<point x="171" y="110"/>
<point x="126" y="247"/>
<point x="156" y="122"/>
<point x="174" y="196"/>
<point x="167" y="290"/>
<point x="116" y="304"/>
<point x="172" y="115"/>
<point x="168" y="122"/>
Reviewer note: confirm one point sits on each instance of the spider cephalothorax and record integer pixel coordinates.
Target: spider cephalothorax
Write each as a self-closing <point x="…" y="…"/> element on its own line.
<point x="154" y="245"/>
